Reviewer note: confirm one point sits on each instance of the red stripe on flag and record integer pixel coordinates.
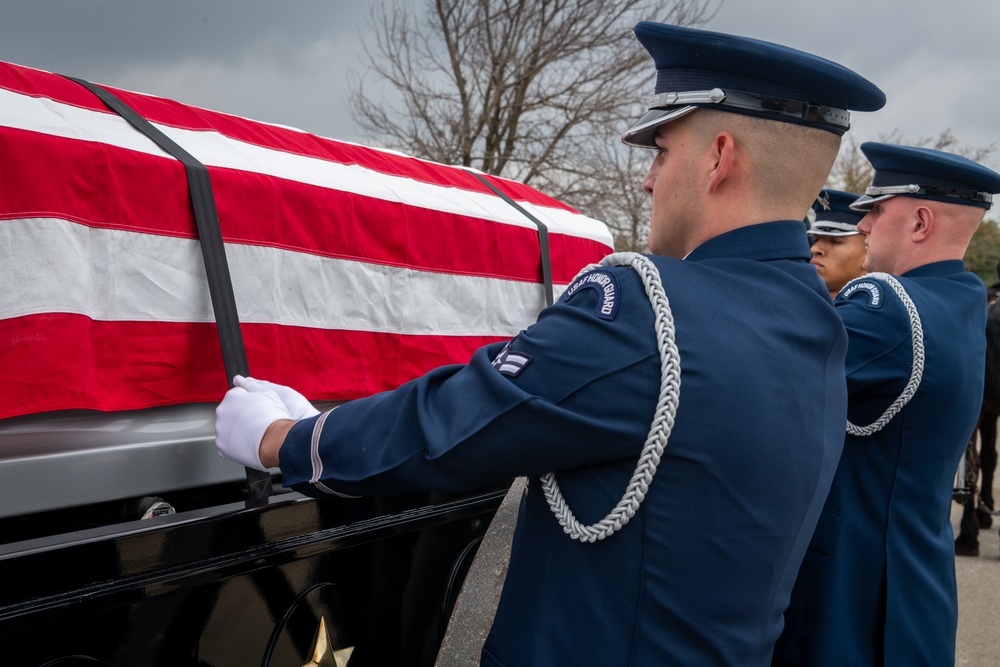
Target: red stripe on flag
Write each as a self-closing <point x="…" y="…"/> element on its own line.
<point x="60" y="361"/>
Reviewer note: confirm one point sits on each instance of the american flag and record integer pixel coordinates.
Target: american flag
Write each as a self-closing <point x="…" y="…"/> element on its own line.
<point x="354" y="269"/>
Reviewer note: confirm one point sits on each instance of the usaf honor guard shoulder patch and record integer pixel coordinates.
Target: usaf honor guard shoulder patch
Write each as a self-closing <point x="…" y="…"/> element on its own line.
<point x="605" y="284"/>
<point x="511" y="363"/>
<point x="870" y="288"/>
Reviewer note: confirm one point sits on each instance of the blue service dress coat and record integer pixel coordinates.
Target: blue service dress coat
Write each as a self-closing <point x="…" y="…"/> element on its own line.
<point x="703" y="572"/>
<point x="877" y="586"/>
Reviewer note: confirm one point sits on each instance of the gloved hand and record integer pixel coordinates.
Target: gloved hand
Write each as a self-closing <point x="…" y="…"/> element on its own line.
<point x="298" y="406"/>
<point x="241" y="420"/>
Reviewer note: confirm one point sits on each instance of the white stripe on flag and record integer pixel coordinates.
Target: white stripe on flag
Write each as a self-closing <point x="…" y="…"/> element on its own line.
<point x="52" y="265"/>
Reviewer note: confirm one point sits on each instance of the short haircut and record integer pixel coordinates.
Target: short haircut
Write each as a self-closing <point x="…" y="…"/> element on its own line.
<point x="790" y="163"/>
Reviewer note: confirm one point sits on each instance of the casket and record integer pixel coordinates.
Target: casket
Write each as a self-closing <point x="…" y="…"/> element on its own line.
<point x="354" y="269"/>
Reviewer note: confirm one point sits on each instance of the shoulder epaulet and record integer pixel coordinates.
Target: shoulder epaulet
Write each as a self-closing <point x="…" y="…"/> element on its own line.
<point x="605" y="283"/>
<point x="869" y="286"/>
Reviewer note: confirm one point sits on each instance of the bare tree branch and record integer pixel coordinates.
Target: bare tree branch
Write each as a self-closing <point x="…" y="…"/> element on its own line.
<point x="535" y="90"/>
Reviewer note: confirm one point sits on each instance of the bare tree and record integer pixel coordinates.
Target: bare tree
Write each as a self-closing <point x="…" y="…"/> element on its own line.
<point x="615" y="194"/>
<point x="533" y="90"/>
<point x="851" y="172"/>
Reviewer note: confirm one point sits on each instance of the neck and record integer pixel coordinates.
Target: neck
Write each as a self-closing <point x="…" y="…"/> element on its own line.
<point x="911" y="262"/>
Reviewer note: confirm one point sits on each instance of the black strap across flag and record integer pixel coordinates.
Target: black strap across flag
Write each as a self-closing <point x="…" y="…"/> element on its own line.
<point x="543" y="235"/>
<point x="220" y="285"/>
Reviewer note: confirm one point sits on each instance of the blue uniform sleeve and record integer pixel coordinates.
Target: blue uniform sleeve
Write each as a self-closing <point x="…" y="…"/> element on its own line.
<point x="573" y="389"/>
<point x="879" y="348"/>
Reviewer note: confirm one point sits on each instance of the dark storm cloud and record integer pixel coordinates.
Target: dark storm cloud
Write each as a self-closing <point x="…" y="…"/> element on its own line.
<point x="283" y="62"/>
<point x="287" y="62"/>
<point x="108" y="33"/>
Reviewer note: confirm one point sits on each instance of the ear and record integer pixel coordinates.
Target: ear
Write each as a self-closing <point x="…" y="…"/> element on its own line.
<point x="923" y="224"/>
<point x="722" y="153"/>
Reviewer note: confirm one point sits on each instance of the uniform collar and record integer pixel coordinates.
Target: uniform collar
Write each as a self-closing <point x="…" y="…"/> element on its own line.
<point x="785" y="239"/>
<point x="937" y="269"/>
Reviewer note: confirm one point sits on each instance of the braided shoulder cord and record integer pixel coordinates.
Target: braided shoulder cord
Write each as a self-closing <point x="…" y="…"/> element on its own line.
<point x="663" y="418"/>
<point x="917" y="336"/>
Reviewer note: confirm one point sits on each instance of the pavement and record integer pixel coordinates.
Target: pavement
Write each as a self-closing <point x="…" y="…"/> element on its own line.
<point x="978" y="641"/>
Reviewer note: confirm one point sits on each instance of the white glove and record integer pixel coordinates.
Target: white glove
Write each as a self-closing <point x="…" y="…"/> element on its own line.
<point x="240" y="422"/>
<point x="298" y="406"/>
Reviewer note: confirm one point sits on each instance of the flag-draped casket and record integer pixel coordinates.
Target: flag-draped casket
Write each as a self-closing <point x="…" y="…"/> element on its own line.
<point x="353" y="269"/>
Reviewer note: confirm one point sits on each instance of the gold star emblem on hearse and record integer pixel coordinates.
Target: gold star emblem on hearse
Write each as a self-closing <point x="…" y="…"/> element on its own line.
<point x="323" y="653"/>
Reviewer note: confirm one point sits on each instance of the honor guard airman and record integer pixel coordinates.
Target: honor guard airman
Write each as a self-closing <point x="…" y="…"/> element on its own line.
<point x="838" y="248"/>
<point x="705" y="378"/>
<point x="877" y="586"/>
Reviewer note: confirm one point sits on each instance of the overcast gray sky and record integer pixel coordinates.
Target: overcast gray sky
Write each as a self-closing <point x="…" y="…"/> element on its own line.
<point x="287" y="62"/>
